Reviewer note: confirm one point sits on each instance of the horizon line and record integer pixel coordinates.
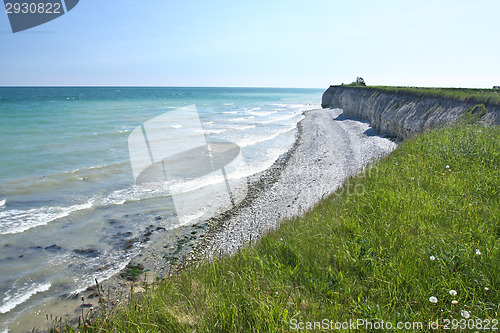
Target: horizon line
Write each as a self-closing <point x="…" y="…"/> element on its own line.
<point x="148" y="86"/>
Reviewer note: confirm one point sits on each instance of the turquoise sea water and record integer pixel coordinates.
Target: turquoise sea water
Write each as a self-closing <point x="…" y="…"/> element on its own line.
<point x="69" y="209"/>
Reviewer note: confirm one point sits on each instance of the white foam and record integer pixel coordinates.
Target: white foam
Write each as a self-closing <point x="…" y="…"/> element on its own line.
<point x="251" y="169"/>
<point x="16" y="221"/>
<point x="240" y="128"/>
<point x="250" y="141"/>
<point x="279" y="118"/>
<point x="10" y="302"/>
<point x="122" y="131"/>
<point x="262" y="113"/>
<point x="212" y="131"/>
<point x="228" y="104"/>
<point x="3" y="202"/>
<point x="219" y="131"/>
<point x="182" y="185"/>
<point x="90" y="168"/>
<point x="176" y="126"/>
<point x="109" y="201"/>
<point x="230" y="112"/>
<point x="101" y="166"/>
<point x="242" y="118"/>
<point x="134" y="193"/>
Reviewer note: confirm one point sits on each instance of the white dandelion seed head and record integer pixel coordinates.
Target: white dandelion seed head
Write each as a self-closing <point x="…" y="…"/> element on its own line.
<point x="478" y="252"/>
<point x="453" y="292"/>
<point x="433" y="299"/>
<point x="432" y="258"/>
<point x="465" y="314"/>
<point x="454" y="301"/>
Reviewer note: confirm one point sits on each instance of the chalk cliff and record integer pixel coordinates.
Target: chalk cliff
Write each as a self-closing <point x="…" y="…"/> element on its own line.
<point x="402" y="114"/>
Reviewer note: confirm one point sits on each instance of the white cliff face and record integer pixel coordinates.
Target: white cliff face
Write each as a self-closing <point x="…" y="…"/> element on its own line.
<point x="399" y="114"/>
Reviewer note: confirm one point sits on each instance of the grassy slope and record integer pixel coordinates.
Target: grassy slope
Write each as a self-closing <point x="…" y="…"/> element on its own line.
<point x="362" y="253"/>
<point x="485" y="96"/>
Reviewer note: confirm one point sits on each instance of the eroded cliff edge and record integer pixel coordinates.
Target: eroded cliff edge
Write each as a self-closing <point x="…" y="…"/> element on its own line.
<point x="403" y="114"/>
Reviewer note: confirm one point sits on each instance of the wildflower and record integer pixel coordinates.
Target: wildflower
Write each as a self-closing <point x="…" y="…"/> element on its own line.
<point x="454" y="301"/>
<point x="453" y="292"/>
<point x="486" y="288"/>
<point x="432" y="258"/>
<point x="478" y="252"/>
<point x="433" y="299"/>
<point x="447" y="167"/>
<point x="465" y="314"/>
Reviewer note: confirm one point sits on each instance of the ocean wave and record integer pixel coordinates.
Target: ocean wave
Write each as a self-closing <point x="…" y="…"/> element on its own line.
<point x="17" y="221"/>
<point x="241" y="119"/>
<point x="134" y="193"/>
<point x="279" y="118"/>
<point x="211" y="131"/>
<point x="3" y="202"/>
<point x="123" y="131"/>
<point x="214" y="131"/>
<point x="250" y="141"/>
<point x="94" y="167"/>
<point x="230" y="112"/>
<point x="261" y="113"/>
<point x="10" y="302"/>
<point x="240" y="128"/>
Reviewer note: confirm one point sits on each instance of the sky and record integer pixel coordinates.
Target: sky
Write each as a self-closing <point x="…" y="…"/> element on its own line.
<point x="258" y="43"/>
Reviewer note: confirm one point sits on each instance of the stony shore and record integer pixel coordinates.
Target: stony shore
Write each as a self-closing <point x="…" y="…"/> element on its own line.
<point x="328" y="150"/>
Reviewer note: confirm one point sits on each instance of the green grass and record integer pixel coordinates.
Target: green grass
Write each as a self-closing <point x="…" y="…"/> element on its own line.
<point x="485" y="96"/>
<point x="364" y="252"/>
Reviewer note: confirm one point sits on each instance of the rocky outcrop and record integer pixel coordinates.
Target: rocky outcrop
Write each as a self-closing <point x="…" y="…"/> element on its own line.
<point x="402" y="114"/>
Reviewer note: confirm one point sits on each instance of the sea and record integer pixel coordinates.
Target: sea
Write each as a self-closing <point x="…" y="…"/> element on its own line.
<point x="71" y="210"/>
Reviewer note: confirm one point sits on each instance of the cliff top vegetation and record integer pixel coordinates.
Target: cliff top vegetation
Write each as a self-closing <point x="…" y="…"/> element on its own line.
<point x="470" y="95"/>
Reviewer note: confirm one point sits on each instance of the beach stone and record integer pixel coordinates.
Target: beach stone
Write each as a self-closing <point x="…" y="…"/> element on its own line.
<point x="91" y="253"/>
<point x="53" y="247"/>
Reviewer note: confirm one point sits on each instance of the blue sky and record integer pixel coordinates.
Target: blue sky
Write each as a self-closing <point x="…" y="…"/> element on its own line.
<point x="269" y="43"/>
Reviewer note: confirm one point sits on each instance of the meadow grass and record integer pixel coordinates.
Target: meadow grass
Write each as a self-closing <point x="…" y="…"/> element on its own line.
<point x="484" y="96"/>
<point x="419" y="223"/>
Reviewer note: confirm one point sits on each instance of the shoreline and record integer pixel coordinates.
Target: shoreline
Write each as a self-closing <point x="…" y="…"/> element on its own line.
<point x="164" y="253"/>
<point x="327" y="150"/>
<point x="330" y="149"/>
<point x="316" y="163"/>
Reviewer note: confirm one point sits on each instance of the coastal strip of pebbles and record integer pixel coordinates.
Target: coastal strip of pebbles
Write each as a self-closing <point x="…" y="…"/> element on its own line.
<point x="329" y="149"/>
